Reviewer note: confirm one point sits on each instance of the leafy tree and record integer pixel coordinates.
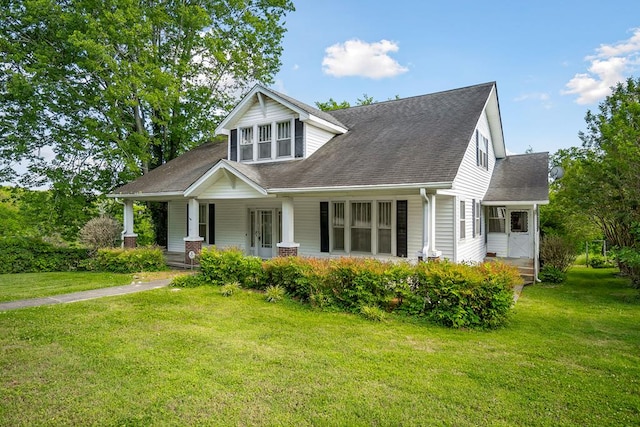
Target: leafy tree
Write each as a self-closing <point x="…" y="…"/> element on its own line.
<point x="117" y="88"/>
<point x="332" y="104"/>
<point x="602" y="178"/>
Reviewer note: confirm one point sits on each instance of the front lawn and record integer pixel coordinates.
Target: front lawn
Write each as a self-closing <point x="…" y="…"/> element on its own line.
<point x="569" y="356"/>
<point x="37" y="285"/>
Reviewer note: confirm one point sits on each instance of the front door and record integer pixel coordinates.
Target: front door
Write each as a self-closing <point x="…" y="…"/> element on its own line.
<point x="261" y="225"/>
<point x="520" y="234"/>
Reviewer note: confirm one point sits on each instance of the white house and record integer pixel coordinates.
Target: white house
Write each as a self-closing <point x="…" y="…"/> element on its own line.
<point x="421" y="177"/>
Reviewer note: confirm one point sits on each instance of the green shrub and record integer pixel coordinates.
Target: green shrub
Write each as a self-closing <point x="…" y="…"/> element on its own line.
<point x="373" y="313"/>
<point x="629" y="263"/>
<point x="549" y="274"/>
<point x="300" y="277"/>
<point x="128" y="260"/>
<point x="557" y="252"/>
<point x="188" y="281"/>
<point x="30" y="255"/>
<point x="231" y="265"/>
<point x="274" y="293"/>
<point x="598" y="261"/>
<point x="230" y="289"/>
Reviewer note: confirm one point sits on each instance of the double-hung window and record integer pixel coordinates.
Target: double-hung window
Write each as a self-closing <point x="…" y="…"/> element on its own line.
<point x="283" y="138"/>
<point x="497" y="219"/>
<point x="202" y="220"/>
<point x="337" y="223"/>
<point x="482" y="150"/>
<point x="361" y="226"/>
<point x="264" y="141"/>
<point x="477" y="223"/>
<point x="463" y="221"/>
<point x="384" y="227"/>
<point x="246" y="143"/>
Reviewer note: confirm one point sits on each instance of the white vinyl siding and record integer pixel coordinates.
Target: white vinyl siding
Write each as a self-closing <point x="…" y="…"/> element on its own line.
<point x="315" y="138"/>
<point x="445" y="224"/>
<point x="177" y="225"/>
<point x="224" y="189"/>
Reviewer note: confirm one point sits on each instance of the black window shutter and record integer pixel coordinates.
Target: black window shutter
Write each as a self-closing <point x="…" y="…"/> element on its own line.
<point x="401" y="228"/>
<point x="473" y="216"/>
<point x="299" y="141"/>
<point x="324" y="226"/>
<point x="187" y="233"/>
<point x="234" y="145"/>
<point x="212" y="224"/>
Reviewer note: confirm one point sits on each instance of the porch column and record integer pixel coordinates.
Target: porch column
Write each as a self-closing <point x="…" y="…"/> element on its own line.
<point x="433" y="252"/>
<point x="287" y="247"/>
<point x="193" y="241"/>
<point x="128" y="236"/>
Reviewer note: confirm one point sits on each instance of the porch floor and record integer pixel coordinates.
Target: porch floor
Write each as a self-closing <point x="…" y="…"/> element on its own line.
<point x="524" y="265"/>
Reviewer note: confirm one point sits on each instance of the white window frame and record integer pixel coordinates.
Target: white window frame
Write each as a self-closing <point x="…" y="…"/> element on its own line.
<point x="497" y="214"/>
<point x="265" y="130"/>
<point x="279" y="139"/>
<point x="338" y="225"/>
<point x="478" y="219"/>
<point x="482" y="150"/>
<point x="246" y="138"/>
<point x="384" y="222"/>
<point x="203" y="220"/>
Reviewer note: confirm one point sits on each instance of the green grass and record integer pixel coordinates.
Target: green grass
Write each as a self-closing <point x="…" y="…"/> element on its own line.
<point x="569" y="356"/>
<point x="36" y="285"/>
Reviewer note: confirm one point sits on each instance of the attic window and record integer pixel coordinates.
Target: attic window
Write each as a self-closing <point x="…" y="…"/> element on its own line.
<point x="264" y="141"/>
<point x="482" y="150"/>
<point x="246" y="143"/>
<point x="284" y="139"/>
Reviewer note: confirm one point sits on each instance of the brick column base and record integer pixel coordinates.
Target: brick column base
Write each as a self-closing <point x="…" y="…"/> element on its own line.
<point x="287" y="251"/>
<point x="129" y="242"/>
<point x="196" y="247"/>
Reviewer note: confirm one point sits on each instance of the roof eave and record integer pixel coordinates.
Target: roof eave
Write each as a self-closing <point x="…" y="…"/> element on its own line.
<point x="514" y="202"/>
<point x="429" y="185"/>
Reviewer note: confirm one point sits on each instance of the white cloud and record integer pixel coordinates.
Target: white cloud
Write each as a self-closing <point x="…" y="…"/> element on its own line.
<point x="295" y="67"/>
<point x="609" y="66"/>
<point x="359" y="58"/>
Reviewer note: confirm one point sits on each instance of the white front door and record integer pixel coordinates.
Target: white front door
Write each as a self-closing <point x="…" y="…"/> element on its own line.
<point x="262" y="232"/>
<point x="520" y="233"/>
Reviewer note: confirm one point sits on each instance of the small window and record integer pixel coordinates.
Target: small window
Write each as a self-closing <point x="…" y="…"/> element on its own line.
<point x="246" y="143"/>
<point x="384" y="227"/>
<point x="337" y="223"/>
<point x="519" y="222"/>
<point x="482" y="150"/>
<point x="264" y="141"/>
<point x="361" y="226"/>
<point x="463" y="223"/>
<point x="497" y="219"/>
<point x="284" y="138"/>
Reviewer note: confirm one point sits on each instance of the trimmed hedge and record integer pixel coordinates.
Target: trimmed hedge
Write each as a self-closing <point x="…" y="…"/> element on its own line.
<point x="32" y="255"/>
<point x="453" y="295"/>
<point x="127" y="260"/>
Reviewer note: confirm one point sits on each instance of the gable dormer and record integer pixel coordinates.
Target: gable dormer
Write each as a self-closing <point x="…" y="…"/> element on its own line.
<point x="267" y="126"/>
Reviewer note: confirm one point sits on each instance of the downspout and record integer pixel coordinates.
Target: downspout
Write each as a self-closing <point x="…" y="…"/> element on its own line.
<point x="425" y="224"/>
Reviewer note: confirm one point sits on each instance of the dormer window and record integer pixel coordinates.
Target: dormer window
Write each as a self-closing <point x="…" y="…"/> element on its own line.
<point x="284" y="139"/>
<point x="246" y="143"/>
<point x="264" y="142"/>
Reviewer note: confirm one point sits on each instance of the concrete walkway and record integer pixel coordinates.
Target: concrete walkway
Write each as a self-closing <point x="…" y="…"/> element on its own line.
<point x="85" y="295"/>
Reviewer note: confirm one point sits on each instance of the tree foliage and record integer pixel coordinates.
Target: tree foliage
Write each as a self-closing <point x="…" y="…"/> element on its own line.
<point x="332" y="104"/>
<point x="602" y="178"/>
<point x="93" y="94"/>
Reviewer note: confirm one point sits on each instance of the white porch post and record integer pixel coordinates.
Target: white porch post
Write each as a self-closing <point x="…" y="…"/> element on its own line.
<point x="193" y="241"/>
<point x="287" y="247"/>
<point x="128" y="236"/>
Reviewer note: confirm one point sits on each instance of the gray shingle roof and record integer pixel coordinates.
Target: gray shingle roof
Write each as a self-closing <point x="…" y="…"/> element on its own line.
<point x="520" y="178"/>
<point x="417" y="140"/>
<point x="178" y="174"/>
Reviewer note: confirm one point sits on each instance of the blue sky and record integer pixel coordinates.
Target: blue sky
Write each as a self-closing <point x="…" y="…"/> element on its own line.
<point x="552" y="60"/>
